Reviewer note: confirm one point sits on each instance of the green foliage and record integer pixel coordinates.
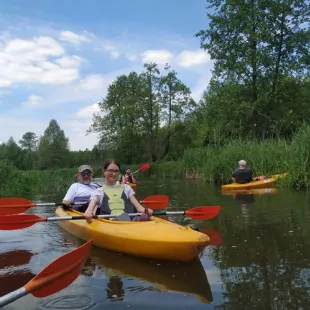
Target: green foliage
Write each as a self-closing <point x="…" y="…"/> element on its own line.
<point x="142" y="115"/>
<point x="53" y="149"/>
<point x="261" y="51"/>
<point x="29" y="141"/>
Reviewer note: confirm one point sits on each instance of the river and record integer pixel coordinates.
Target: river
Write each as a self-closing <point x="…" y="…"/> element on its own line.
<point x="262" y="261"/>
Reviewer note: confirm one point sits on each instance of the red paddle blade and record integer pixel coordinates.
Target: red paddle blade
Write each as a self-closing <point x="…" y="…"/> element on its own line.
<point x="214" y="235"/>
<point x="156" y="202"/>
<point x="60" y="273"/>
<point x="19" y="221"/>
<point x="14" y="205"/>
<point x="144" y="167"/>
<point x="203" y="213"/>
<point x="15" y="258"/>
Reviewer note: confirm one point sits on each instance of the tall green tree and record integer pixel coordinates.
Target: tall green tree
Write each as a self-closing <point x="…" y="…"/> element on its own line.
<point x="176" y="102"/>
<point x="29" y="141"/>
<point x="257" y="43"/>
<point x="10" y="151"/>
<point x="119" y="126"/>
<point x="150" y="106"/>
<point x="53" y="148"/>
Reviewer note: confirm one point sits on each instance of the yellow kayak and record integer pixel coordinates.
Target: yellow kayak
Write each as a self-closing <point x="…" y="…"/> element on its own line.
<point x="132" y="185"/>
<point x="157" y="238"/>
<point x="268" y="182"/>
<point x="187" y="278"/>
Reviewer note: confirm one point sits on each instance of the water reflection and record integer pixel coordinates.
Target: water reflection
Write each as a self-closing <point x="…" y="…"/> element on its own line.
<point x="12" y="281"/>
<point x="15" y="258"/>
<point x="189" y="278"/>
<point x="13" y="273"/>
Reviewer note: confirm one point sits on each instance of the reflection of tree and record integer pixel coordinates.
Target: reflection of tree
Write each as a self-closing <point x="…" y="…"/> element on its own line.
<point x="263" y="266"/>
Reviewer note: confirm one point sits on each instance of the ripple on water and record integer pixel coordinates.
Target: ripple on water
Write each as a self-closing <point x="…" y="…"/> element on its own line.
<point x="77" y="297"/>
<point x="73" y="301"/>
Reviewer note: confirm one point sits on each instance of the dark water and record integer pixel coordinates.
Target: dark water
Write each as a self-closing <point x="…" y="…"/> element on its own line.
<point x="262" y="263"/>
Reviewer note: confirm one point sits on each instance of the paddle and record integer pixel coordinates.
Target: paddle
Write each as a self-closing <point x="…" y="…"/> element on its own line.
<point x="144" y="167"/>
<point x="20" y="221"/>
<point x="21" y="205"/>
<point x="54" y="277"/>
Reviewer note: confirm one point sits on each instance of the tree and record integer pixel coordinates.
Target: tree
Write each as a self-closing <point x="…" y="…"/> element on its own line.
<point x="150" y="106"/>
<point x="53" y="148"/>
<point x="175" y="100"/>
<point x="120" y="126"/>
<point x="257" y="44"/>
<point x="29" y="141"/>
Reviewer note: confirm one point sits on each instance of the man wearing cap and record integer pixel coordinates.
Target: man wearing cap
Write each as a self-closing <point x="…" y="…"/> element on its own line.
<point x="242" y="174"/>
<point x="81" y="190"/>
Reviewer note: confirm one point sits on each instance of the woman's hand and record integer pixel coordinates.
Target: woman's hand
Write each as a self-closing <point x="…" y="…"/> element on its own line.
<point x="149" y="211"/>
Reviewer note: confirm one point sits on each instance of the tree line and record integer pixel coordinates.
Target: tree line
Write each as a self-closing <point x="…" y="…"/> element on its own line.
<point x="260" y="90"/>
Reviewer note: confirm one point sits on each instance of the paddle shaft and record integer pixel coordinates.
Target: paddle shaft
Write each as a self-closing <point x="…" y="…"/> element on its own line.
<point x="8" y="298"/>
<point x="81" y="217"/>
<point x="47" y="204"/>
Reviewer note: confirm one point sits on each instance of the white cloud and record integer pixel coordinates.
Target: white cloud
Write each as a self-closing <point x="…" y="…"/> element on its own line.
<point x="94" y="82"/>
<point x="88" y="111"/>
<point x="111" y="49"/>
<point x="33" y="61"/>
<point x="131" y="56"/>
<point x="193" y="58"/>
<point x="33" y="101"/>
<point x="73" y="37"/>
<point x="161" y="57"/>
<point x="67" y="62"/>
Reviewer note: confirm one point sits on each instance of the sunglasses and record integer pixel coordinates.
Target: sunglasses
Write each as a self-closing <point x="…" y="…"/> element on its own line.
<point x="86" y="173"/>
<point x="112" y="170"/>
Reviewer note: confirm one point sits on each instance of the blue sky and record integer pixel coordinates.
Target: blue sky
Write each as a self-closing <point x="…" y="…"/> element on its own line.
<point x="58" y="57"/>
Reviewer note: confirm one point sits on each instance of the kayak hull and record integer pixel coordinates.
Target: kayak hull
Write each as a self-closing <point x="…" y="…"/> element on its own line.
<point x="158" y="239"/>
<point x="267" y="183"/>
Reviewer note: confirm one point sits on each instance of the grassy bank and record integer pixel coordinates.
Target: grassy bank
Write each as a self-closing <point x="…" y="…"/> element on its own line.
<point x="216" y="163"/>
<point x="212" y="164"/>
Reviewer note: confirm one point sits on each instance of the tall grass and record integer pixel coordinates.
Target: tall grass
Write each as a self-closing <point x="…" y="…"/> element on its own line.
<point x="216" y="163"/>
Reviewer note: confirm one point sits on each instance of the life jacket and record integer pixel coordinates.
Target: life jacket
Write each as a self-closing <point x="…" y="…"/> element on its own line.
<point x="115" y="201"/>
<point x="128" y="178"/>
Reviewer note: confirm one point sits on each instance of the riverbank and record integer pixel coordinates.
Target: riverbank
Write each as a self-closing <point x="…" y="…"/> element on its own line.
<point x="212" y="164"/>
<point x="215" y="164"/>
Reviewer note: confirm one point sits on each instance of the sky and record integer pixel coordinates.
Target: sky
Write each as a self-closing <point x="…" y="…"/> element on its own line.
<point x="57" y="58"/>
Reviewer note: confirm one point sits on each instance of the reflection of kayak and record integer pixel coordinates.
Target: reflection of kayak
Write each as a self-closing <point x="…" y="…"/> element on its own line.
<point x="251" y="191"/>
<point x="189" y="278"/>
<point x="155" y="239"/>
<point x="265" y="182"/>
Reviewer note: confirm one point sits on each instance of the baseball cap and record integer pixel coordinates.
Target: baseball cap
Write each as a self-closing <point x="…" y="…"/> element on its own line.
<point x="242" y="162"/>
<point x="85" y="167"/>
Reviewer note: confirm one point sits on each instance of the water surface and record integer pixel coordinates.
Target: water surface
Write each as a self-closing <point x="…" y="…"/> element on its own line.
<point x="262" y="263"/>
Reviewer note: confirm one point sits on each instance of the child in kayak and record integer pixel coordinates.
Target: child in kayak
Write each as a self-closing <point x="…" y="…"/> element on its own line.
<point x="128" y="177"/>
<point x="115" y="198"/>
